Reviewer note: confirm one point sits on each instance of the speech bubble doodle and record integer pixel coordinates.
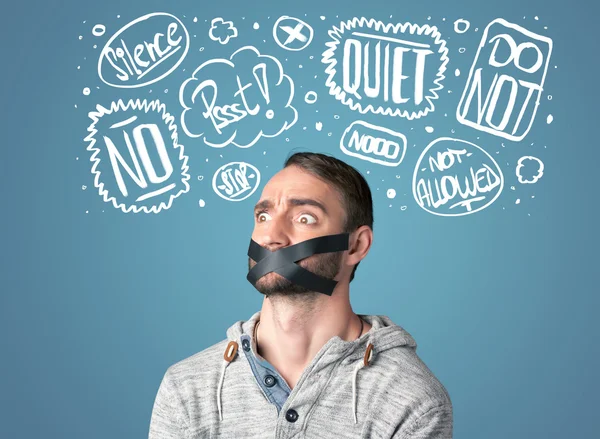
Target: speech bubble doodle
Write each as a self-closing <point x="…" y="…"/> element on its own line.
<point x="135" y="155"/>
<point x="390" y="69"/>
<point x="236" y="181"/>
<point x="238" y="100"/>
<point x="218" y="27"/>
<point x="373" y="143"/>
<point x="142" y="52"/>
<point x="454" y="177"/>
<point x="297" y="33"/>
<point x="509" y="68"/>
<point x="538" y="169"/>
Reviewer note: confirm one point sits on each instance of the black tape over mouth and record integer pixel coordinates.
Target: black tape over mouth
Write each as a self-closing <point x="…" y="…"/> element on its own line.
<point x="283" y="261"/>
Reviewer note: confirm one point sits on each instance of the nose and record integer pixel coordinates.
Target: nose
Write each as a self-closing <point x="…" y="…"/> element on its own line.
<point x="272" y="234"/>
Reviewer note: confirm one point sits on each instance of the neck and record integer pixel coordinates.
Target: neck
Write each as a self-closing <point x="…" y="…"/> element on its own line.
<point x="292" y="330"/>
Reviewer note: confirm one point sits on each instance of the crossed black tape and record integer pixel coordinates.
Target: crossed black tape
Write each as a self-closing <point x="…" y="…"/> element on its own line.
<point x="283" y="261"/>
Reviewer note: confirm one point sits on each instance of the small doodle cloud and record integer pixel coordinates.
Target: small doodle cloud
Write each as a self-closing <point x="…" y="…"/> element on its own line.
<point x="222" y="31"/>
<point x="531" y="164"/>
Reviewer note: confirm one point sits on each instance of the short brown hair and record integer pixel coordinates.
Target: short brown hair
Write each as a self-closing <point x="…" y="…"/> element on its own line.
<point x="347" y="180"/>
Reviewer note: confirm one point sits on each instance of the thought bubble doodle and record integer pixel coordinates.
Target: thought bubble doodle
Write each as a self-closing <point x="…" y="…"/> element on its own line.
<point x="142" y="52"/>
<point x="527" y="161"/>
<point x="390" y="69"/>
<point x="236" y="181"/>
<point x="138" y="163"/>
<point x="506" y="80"/>
<point x="454" y="178"/>
<point x="222" y="31"/>
<point x="237" y="100"/>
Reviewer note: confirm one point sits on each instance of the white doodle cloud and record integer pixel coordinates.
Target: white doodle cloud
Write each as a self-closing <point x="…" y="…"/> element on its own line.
<point x="218" y="26"/>
<point x="454" y="177"/>
<point x="273" y="92"/>
<point x="523" y="162"/>
<point x="238" y="181"/>
<point x="147" y="62"/>
<point x="142" y="106"/>
<point x="333" y="61"/>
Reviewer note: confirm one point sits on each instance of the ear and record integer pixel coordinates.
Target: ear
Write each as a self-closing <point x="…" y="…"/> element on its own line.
<point x="360" y="244"/>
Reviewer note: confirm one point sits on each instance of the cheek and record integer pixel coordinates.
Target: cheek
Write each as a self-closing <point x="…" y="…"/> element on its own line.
<point x="256" y="235"/>
<point x="270" y="277"/>
<point x="311" y="261"/>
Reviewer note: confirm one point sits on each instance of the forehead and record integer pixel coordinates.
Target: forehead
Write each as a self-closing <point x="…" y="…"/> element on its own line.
<point x="295" y="181"/>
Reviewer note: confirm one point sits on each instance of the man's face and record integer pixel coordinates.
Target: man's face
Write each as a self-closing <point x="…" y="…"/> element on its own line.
<point x="296" y="206"/>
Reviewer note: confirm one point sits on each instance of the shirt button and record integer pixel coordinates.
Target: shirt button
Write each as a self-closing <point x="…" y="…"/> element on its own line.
<point x="270" y="380"/>
<point x="291" y="415"/>
<point x="246" y="344"/>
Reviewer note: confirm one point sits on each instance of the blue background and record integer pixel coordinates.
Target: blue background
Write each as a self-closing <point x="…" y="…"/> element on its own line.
<point x="95" y="306"/>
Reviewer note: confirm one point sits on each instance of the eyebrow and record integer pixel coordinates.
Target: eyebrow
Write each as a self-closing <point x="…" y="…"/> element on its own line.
<point x="267" y="204"/>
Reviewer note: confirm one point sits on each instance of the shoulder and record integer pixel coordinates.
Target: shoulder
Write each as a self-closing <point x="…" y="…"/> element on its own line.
<point x="410" y="379"/>
<point x="201" y="364"/>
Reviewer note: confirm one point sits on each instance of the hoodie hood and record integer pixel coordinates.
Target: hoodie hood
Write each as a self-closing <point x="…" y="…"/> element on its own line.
<point x="383" y="335"/>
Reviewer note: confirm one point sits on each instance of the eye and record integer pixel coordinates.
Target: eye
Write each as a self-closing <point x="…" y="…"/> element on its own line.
<point x="261" y="217"/>
<point x="306" y="218"/>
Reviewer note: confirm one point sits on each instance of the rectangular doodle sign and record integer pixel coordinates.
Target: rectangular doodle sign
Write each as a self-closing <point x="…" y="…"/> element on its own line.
<point x="506" y="81"/>
<point x="373" y="143"/>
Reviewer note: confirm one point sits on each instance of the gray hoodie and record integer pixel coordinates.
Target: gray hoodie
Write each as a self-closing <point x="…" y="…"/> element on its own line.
<point x="372" y="387"/>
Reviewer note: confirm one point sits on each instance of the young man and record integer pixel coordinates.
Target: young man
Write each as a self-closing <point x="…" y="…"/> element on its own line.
<point x="305" y="365"/>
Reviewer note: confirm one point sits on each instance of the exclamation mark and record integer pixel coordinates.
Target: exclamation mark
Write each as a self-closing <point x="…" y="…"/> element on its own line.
<point x="262" y="80"/>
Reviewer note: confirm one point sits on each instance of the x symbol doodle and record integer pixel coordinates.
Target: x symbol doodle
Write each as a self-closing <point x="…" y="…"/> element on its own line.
<point x="294" y="33"/>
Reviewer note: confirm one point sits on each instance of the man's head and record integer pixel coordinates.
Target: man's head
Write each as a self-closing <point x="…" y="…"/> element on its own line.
<point x="314" y="195"/>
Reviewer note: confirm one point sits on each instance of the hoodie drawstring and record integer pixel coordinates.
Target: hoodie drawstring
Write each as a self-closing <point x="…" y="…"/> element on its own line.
<point x="228" y="356"/>
<point x="231" y="351"/>
<point x="363" y="363"/>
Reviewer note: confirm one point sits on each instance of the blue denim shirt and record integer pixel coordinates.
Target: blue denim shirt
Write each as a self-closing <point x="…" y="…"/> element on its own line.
<point x="272" y="383"/>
